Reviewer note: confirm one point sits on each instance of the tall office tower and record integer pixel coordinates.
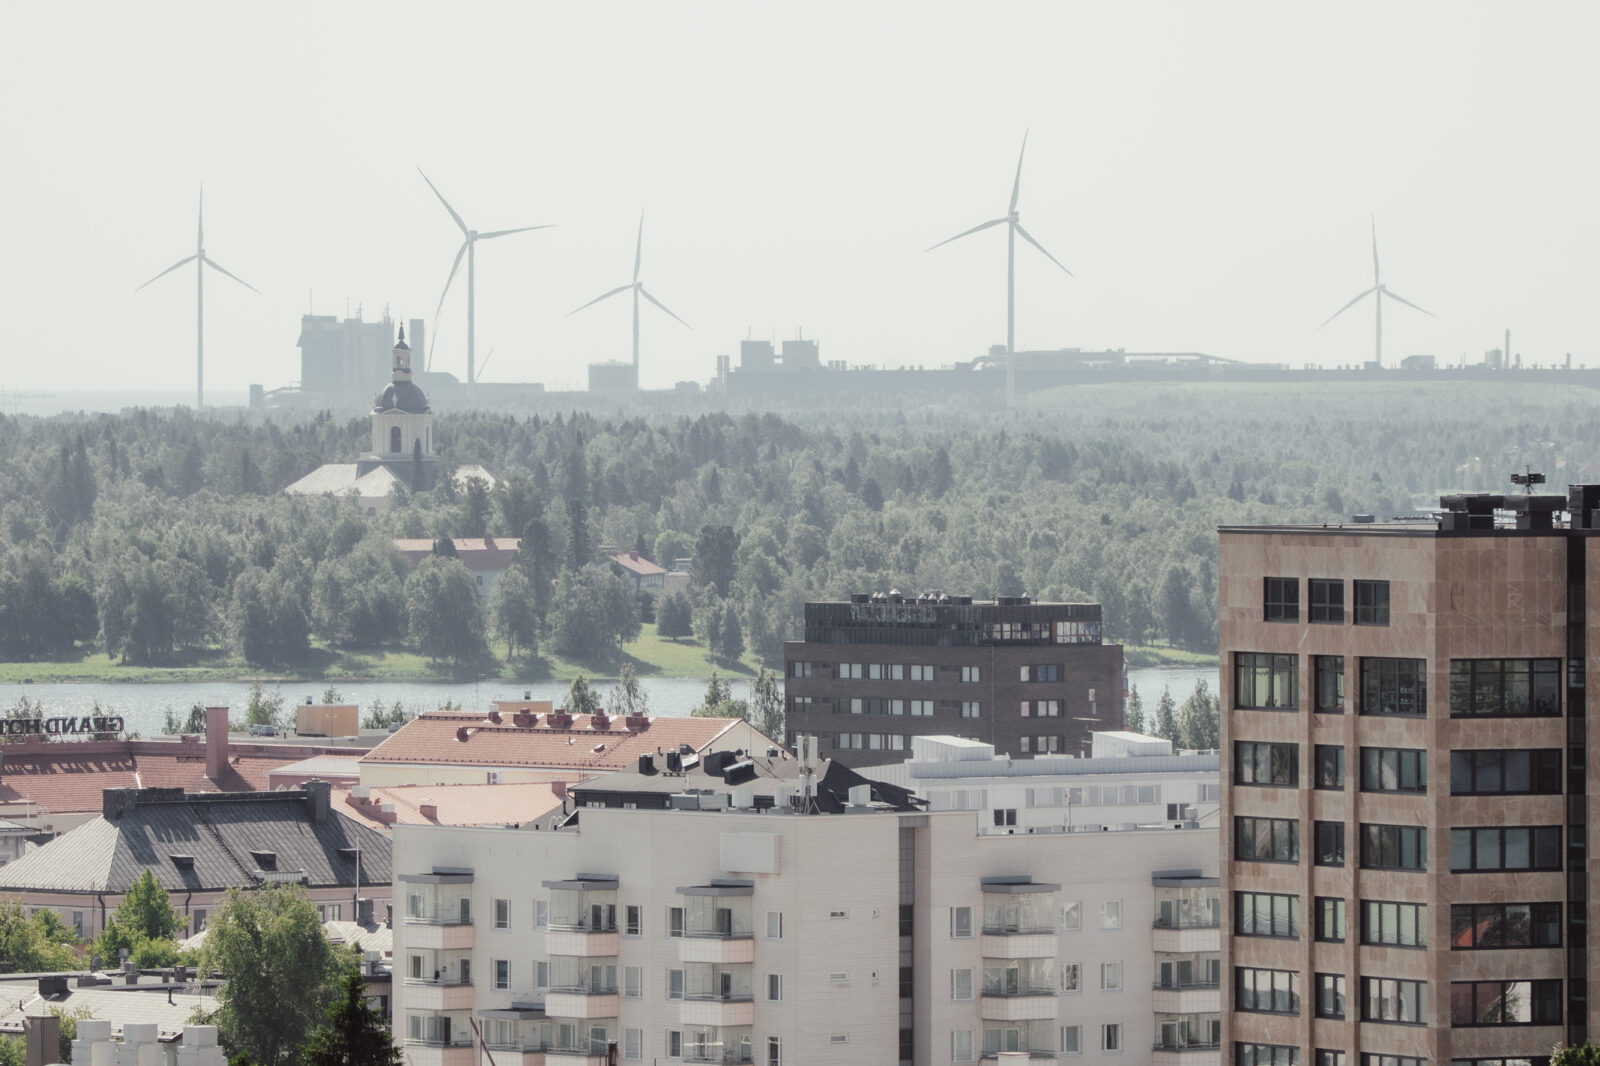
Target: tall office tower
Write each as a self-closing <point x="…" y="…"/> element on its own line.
<point x="1405" y="821"/>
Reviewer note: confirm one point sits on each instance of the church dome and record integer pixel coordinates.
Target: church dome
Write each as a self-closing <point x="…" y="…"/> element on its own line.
<point x="402" y="396"/>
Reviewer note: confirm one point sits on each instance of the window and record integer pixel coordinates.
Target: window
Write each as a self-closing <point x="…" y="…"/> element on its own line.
<point x="907" y="919"/>
<point x="1474" y="1003"/>
<point x="961" y="984"/>
<point x="1265" y="1055"/>
<point x="774" y="987"/>
<point x="918" y="672"/>
<point x="1372" y="603"/>
<point x="541" y="974"/>
<point x="907" y="982"/>
<point x="1266" y="839"/>
<point x="1327" y="677"/>
<point x="1071" y="916"/>
<point x="774" y="925"/>
<point x="502" y="974"/>
<point x="1476" y="926"/>
<point x="1071" y="1040"/>
<point x="1266" y="991"/>
<point x="674" y="1044"/>
<point x="971" y="709"/>
<point x="848" y="671"/>
<point x="1384" y="999"/>
<point x="960" y="922"/>
<point x="1516" y="848"/>
<point x="1260" y="763"/>
<point x="674" y="984"/>
<point x="1330" y="995"/>
<point x="1394" y="687"/>
<point x="1501" y="772"/>
<point x="1266" y="914"/>
<point x="1041" y="708"/>
<point x="1111" y="914"/>
<point x="674" y="922"/>
<point x="1395" y="925"/>
<point x="632" y="981"/>
<point x="921" y="708"/>
<point x="799" y="669"/>
<point x="633" y="919"/>
<point x="838" y="915"/>
<point x="1281" y="599"/>
<point x="633" y="1043"/>
<point x="1111" y="1037"/>
<point x="1265" y="682"/>
<point x="541" y="914"/>
<point x="1394" y="770"/>
<point x="774" y="1051"/>
<point x="1505" y="688"/>
<point x="971" y="675"/>
<point x="1046" y="672"/>
<point x="1330" y="766"/>
<point x="198" y="921"/>
<point x="1394" y="847"/>
<point x="961" y="1045"/>
<point x="1071" y="977"/>
<point x="1004" y="816"/>
<point x="1330" y="918"/>
<point x="801" y="704"/>
<point x="1327" y="599"/>
<point x="1326" y="1057"/>
<point x="1111" y="976"/>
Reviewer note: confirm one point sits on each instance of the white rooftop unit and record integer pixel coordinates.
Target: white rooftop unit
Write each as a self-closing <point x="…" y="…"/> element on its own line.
<point x="1117" y="743"/>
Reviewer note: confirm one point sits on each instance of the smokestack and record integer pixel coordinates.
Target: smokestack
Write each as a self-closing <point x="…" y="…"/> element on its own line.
<point x="216" y="742"/>
<point x="318" y="798"/>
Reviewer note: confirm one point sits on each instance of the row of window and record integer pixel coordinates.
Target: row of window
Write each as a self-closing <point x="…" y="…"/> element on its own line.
<point x="1388" y="923"/>
<point x="1285" y="1055"/>
<point x="1479" y="688"/>
<point x="997" y="1039"/>
<point x="995" y="919"/>
<point x="1490" y="849"/>
<point x="1028" y="977"/>
<point x="1399" y="1001"/>
<point x="970" y="675"/>
<point x="1473" y="772"/>
<point x="1280" y="601"/>
<point x="602" y="917"/>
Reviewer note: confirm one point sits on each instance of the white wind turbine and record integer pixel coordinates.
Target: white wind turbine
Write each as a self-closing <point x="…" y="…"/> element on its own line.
<point x="1378" y="291"/>
<point x="200" y="261"/>
<point x="468" y="249"/>
<point x="638" y="290"/>
<point x="1012" y="221"/>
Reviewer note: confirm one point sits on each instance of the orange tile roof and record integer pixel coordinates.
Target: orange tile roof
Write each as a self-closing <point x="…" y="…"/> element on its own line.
<point x="509" y="804"/>
<point x="479" y="553"/>
<point x="636" y="563"/>
<point x="449" y="738"/>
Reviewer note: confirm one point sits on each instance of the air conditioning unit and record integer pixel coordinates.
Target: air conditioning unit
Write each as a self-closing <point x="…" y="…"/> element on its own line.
<point x="494" y="777"/>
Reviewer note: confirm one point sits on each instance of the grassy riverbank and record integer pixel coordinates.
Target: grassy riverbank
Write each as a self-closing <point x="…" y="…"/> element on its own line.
<point x="1139" y="656"/>
<point x="651" y="656"/>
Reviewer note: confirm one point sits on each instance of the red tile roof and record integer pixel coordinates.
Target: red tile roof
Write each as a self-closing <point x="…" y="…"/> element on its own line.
<point x="65" y="777"/>
<point x="636" y="564"/>
<point x="479" y="553"/>
<point x="508" y="804"/>
<point x="449" y="738"/>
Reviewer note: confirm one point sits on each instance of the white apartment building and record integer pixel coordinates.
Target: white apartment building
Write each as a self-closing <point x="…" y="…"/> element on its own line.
<point x="746" y="932"/>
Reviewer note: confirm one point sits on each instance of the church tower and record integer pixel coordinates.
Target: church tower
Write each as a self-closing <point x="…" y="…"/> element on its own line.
<point x="402" y="423"/>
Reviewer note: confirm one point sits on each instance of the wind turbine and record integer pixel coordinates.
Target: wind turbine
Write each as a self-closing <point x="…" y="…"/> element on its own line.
<point x="1012" y="221"/>
<point x="1378" y="291"/>
<point x="638" y="290"/>
<point x="468" y="249"/>
<point x="200" y="261"/>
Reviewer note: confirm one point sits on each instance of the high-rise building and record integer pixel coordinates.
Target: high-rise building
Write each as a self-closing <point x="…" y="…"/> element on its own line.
<point x="1405" y="820"/>
<point x="1029" y="678"/>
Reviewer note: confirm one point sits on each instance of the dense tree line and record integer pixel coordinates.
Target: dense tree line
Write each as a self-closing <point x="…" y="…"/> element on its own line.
<point x="152" y="535"/>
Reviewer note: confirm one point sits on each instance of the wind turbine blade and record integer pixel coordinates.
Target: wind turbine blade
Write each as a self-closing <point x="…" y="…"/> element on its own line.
<point x="1408" y="303"/>
<point x="597" y="299"/>
<point x="968" y="233"/>
<point x="214" y="265"/>
<point x="638" y="248"/>
<point x="646" y="294"/>
<point x="505" y="232"/>
<point x="453" y="268"/>
<point x="170" y="269"/>
<point x="1374" y="250"/>
<point x="1027" y="237"/>
<point x="446" y="203"/>
<point x="1016" y="186"/>
<point x="1364" y="294"/>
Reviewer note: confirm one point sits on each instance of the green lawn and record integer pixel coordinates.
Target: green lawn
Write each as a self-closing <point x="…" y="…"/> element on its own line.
<point x="1140" y="655"/>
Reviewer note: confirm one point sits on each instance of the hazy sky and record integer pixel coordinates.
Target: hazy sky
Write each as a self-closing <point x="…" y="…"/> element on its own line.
<point x="1206" y="170"/>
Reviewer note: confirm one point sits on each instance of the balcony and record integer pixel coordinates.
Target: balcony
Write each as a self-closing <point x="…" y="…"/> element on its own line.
<point x="576" y="1057"/>
<point x="1185" y="1054"/>
<point x="588" y="943"/>
<point x="576" y="1003"/>
<point x="433" y="1053"/>
<point x="438" y="994"/>
<point x="1188" y="938"/>
<point x="1032" y="1058"/>
<point x="1013" y="1001"/>
<point x="1200" y="998"/>
<point x="716" y="1045"/>
<point x="717" y="1011"/>
<point x="1019" y="918"/>
<point x="1018" y="944"/>
<point x="438" y="932"/>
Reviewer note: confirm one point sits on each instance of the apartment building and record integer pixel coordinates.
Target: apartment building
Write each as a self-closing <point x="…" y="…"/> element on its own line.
<point x="1029" y="678"/>
<point x="1405" y="820"/>
<point x="794" y="913"/>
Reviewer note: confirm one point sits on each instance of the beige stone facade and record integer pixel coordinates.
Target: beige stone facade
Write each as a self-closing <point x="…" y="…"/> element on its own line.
<point x="1457" y="602"/>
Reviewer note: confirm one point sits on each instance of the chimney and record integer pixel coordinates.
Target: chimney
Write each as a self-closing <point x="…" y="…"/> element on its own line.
<point x="634" y="556"/>
<point x="216" y="742"/>
<point x="43" y="1036"/>
<point x="114" y="802"/>
<point x="430" y="811"/>
<point x="318" y="799"/>
<point x="558" y="789"/>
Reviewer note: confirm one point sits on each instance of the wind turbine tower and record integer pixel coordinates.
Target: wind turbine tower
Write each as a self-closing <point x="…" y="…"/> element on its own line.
<point x="638" y="290"/>
<point x="1378" y="291"/>
<point x="1012" y="221"/>
<point x="469" y="249"/>
<point x="200" y="261"/>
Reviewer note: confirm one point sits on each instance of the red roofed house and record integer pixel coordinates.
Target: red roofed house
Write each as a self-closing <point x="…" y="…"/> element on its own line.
<point x="645" y="575"/>
<point x="525" y="805"/>
<point x="486" y="558"/>
<point x="528" y="740"/>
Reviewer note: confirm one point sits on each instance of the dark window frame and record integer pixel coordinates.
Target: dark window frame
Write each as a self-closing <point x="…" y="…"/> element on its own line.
<point x="1328" y="773"/>
<point x="1250" y="828"/>
<point x="1390" y="992"/>
<point x="1544" y="848"/>
<point x="1327" y="672"/>
<point x="1479" y="688"/>
<point x="1330" y="1000"/>
<point x="1393" y="687"/>
<point x="1280" y="760"/>
<point x="1380" y="841"/>
<point x="1331" y="912"/>
<point x="1373" y="922"/>
<point x="1473" y="771"/>
<point x="1246" y="1001"/>
<point x="1328" y="844"/>
<point x="1268" y="668"/>
<point x="1325" y="597"/>
<point x="1472" y="923"/>
<point x="1371" y="599"/>
<point x="1282" y="915"/>
<point x="1280" y="599"/>
<point x="1406" y="765"/>
<point x="1544" y="1002"/>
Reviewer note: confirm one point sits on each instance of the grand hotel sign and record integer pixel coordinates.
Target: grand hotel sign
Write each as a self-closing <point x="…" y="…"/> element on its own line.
<point x="69" y="726"/>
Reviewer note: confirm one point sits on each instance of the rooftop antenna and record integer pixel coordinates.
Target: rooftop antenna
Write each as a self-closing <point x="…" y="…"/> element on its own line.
<point x="1012" y="221"/>
<point x="200" y="261"/>
<point x="468" y="249"/>
<point x="1528" y="479"/>
<point x="638" y="289"/>
<point x="1378" y="291"/>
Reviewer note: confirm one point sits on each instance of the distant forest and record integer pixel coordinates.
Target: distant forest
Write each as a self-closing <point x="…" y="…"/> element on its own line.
<point x="153" y="534"/>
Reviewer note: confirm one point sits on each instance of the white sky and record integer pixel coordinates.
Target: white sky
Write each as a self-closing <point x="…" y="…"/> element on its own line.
<point x="1206" y="170"/>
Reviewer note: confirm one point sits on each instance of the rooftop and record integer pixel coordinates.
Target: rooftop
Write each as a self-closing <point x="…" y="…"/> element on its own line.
<point x="513" y="803"/>
<point x="762" y="778"/>
<point x="479" y="553"/>
<point x="168" y="1005"/>
<point x="636" y="564"/>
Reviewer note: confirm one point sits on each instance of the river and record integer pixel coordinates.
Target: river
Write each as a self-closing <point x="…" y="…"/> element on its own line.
<point x="143" y="707"/>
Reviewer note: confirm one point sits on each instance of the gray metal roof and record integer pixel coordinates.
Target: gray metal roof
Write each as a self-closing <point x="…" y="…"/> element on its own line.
<point x="220" y="831"/>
